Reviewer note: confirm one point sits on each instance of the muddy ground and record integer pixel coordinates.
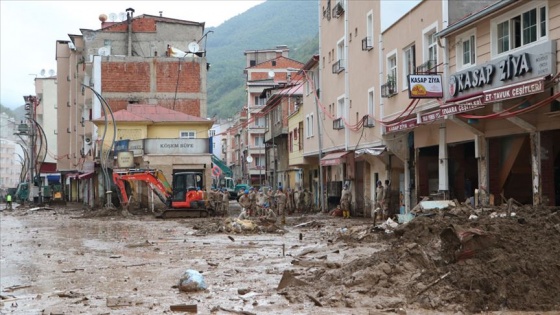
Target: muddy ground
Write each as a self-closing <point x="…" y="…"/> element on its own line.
<point x="70" y="260"/>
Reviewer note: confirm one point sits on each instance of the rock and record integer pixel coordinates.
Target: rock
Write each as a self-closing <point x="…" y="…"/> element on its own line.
<point x="192" y="280"/>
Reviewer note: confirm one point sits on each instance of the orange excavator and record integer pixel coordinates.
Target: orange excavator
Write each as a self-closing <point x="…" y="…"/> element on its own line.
<point x="183" y="200"/>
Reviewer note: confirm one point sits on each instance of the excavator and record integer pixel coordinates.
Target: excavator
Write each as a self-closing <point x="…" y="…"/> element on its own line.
<point x="182" y="200"/>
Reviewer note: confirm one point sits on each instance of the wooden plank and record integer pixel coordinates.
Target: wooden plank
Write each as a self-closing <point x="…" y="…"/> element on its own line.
<point x="191" y="308"/>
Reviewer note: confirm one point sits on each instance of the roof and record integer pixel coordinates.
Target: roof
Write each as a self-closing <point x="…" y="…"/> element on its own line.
<point x="153" y="114"/>
<point x="108" y="25"/>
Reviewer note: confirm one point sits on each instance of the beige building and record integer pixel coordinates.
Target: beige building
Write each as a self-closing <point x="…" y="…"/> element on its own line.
<point x="349" y="101"/>
<point x="501" y="104"/>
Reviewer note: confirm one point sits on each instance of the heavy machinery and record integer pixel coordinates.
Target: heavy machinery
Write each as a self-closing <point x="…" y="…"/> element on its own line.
<point x="182" y="200"/>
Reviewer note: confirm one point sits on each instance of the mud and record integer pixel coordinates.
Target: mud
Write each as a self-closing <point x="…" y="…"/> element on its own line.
<point x="71" y="260"/>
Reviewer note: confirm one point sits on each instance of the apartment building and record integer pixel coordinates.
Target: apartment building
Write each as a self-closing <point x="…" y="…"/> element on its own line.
<point x="349" y="102"/>
<point x="46" y="92"/>
<point x="143" y="59"/>
<point x="501" y="101"/>
<point x="266" y="69"/>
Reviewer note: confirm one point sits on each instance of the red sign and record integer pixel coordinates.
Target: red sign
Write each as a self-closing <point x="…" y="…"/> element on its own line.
<point x="514" y="91"/>
<point x="403" y="125"/>
<point x="430" y="116"/>
<point x="463" y="106"/>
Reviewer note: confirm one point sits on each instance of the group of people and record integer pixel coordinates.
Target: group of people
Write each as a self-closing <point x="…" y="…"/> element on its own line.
<point x="217" y="199"/>
<point x="257" y="201"/>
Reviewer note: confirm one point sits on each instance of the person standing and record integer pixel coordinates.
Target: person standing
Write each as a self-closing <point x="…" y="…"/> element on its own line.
<point x="9" y="201"/>
<point x="245" y="202"/>
<point x="345" y="201"/>
<point x="379" y="197"/>
<point x="386" y="199"/>
<point x="281" y="201"/>
<point x="225" y="202"/>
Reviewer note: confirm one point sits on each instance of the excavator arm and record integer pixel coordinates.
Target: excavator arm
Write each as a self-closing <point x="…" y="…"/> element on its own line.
<point x="154" y="178"/>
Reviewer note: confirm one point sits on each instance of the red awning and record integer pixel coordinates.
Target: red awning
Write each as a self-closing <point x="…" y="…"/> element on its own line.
<point x="87" y="175"/>
<point x="334" y="158"/>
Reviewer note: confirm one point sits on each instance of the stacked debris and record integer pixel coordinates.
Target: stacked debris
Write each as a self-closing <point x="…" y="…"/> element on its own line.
<point x="453" y="258"/>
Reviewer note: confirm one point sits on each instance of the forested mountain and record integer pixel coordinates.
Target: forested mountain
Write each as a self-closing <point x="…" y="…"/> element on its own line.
<point x="265" y="26"/>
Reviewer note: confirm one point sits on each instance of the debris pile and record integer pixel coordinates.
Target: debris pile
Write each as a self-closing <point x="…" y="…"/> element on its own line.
<point x="444" y="260"/>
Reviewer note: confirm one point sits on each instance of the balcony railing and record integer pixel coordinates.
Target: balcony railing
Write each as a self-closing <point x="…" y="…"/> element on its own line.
<point x="337" y="10"/>
<point x="389" y="89"/>
<point x="367" y="43"/>
<point x="369" y="122"/>
<point x="428" y="67"/>
<point x="338" y="66"/>
<point x="338" y="124"/>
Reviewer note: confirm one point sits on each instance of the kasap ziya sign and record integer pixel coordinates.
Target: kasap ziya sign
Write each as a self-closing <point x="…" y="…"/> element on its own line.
<point x="534" y="62"/>
<point x="425" y="86"/>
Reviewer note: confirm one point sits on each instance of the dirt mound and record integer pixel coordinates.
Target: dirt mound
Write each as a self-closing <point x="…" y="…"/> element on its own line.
<point x="450" y="263"/>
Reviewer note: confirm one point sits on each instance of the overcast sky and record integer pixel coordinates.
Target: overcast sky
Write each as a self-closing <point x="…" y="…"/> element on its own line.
<point x="29" y="30"/>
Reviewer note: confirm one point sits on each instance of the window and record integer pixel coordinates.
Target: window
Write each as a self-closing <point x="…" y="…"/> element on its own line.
<point x="340" y="107"/>
<point x="300" y="139"/>
<point x="187" y="134"/>
<point x="340" y="52"/>
<point x="309" y="125"/>
<point x="291" y="141"/>
<point x="259" y="101"/>
<point x="408" y="64"/>
<point x="520" y="28"/>
<point x="260" y="122"/>
<point x="309" y="77"/>
<point x="392" y="69"/>
<point x="369" y="30"/>
<point x="259" y="141"/>
<point x="466" y="49"/>
<point x="371" y="102"/>
<point x="211" y="133"/>
<point x="430" y="43"/>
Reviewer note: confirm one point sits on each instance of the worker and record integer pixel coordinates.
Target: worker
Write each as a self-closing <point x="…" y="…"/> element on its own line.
<point x="245" y="202"/>
<point x="386" y="199"/>
<point x="269" y="217"/>
<point x="379" y="197"/>
<point x="9" y="201"/>
<point x="345" y="201"/>
<point x="253" y="199"/>
<point x="280" y="197"/>
<point x="225" y="202"/>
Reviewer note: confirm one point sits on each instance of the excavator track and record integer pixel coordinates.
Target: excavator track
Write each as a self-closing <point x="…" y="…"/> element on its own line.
<point x="183" y="213"/>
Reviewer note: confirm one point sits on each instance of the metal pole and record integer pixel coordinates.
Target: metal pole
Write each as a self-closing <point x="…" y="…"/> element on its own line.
<point x="320" y="142"/>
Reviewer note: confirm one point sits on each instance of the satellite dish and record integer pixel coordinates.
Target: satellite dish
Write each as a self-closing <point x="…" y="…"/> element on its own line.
<point x="112" y="17"/>
<point x="193" y="47"/>
<point x="43" y="72"/>
<point x="122" y="16"/>
<point x="51" y="72"/>
<point x="249" y="159"/>
<point x="270" y="74"/>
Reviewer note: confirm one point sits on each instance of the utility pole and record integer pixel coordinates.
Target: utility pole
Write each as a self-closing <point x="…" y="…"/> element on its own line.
<point x="30" y="113"/>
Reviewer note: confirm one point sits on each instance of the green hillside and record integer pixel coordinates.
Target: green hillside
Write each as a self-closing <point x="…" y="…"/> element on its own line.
<point x="272" y="23"/>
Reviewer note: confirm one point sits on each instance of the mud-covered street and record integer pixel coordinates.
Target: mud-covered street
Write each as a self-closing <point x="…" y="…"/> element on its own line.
<point x="68" y="260"/>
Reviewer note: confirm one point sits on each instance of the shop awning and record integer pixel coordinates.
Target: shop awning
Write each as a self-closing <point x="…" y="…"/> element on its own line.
<point x="334" y="158"/>
<point x="377" y="151"/>
<point x="87" y="175"/>
<point x="72" y="175"/>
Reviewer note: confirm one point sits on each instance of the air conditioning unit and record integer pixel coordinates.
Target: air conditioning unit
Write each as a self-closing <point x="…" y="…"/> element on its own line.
<point x="86" y="146"/>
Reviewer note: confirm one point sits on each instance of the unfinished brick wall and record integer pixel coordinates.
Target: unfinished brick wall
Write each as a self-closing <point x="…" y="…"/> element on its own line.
<point x="129" y="77"/>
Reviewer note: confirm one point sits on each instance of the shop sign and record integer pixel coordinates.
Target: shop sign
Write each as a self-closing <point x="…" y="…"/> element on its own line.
<point x="121" y="145"/>
<point x="430" y="116"/>
<point x="176" y="146"/>
<point x="125" y="159"/>
<point x="425" y="86"/>
<point x="514" y="91"/>
<point x="403" y="125"/>
<point x="137" y="147"/>
<point x="535" y="61"/>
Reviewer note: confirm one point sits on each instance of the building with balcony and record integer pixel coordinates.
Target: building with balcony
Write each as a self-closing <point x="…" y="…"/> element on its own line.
<point x="350" y="103"/>
<point x="267" y="68"/>
<point x="144" y="59"/>
<point x="498" y="126"/>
